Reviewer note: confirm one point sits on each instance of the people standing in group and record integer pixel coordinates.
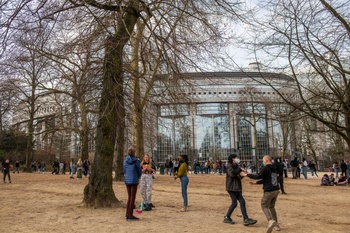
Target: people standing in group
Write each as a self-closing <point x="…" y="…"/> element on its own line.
<point x="279" y="169"/>
<point x="132" y="174"/>
<point x="285" y="168"/>
<point x="43" y="166"/>
<point x="167" y="166"/>
<point x="64" y="167"/>
<point x="86" y="166"/>
<point x="234" y="189"/>
<point x="268" y="177"/>
<point x="208" y="167"/>
<point x="6" y="170"/>
<point x="343" y="168"/>
<point x="72" y="166"/>
<point x="61" y="166"/>
<point x="214" y="167"/>
<point x="336" y="169"/>
<point x="313" y="169"/>
<point x="176" y="164"/>
<point x="39" y="167"/>
<point x="304" y="167"/>
<point x="220" y="166"/>
<point x="171" y="167"/>
<point x="79" y="167"/>
<point x="197" y="167"/>
<point x="16" y="167"/>
<point x="294" y="165"/>
<point x="146" y="183"/>
<point x="182" y="175"/>
<point x="55" y="166"/>
<point x="33" y="166"/>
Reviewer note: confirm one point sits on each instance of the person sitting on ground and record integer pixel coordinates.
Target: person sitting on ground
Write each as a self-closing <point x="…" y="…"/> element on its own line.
<point x="331" y="178"/>
<point x="342" y="180"/>
<point x="325" y="181"/>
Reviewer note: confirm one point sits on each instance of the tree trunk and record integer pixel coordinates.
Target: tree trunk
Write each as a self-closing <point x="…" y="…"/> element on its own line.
<point x="30" y="142"/>
<point x="119" y="174"/>
<point x="137" y="102"/>
<point x="84" y="133"/>
<point x="99" y="191"/>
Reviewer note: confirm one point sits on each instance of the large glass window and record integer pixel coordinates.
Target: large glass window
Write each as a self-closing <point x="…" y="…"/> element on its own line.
<point x="212" y="131"/>
<point x="262" y="144"/>
<point x="212" y="108"/>
<point x="244" y="133"/>
<point x="174" y="132"/>
<point x="252" y="123"/>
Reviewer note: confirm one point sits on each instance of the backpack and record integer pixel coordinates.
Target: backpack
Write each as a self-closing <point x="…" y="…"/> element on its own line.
<point x="274" y="180"/>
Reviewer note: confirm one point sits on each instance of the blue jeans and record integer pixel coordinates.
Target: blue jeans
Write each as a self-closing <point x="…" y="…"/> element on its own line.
<point x="304" y="171"/>
<point x="234" y="197"/>
<point x="336" y="173"/>
<point x="184" y="184"/>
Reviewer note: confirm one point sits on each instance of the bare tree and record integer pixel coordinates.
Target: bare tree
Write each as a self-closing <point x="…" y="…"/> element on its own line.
<point x="310" y="38"/>
<point x="8" y="96"/>
<point x="119" y="21"/>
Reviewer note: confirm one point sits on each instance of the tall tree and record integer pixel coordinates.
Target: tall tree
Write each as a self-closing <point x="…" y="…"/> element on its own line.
<point x="310" y="38"/>
<point x="119" y="20"/>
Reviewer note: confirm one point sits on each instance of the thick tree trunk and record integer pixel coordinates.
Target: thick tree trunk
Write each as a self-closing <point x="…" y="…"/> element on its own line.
<point x="119" y="175"/>
<point x="137" y="100"/>
<point x="99" y="191"/>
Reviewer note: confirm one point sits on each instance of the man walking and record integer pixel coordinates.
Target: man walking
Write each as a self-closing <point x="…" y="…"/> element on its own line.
<point x="268" y="177"/>
<point x="343" y="168"/>
<point x="294" y="165"/>
<point x="234" y="188"/>
<point x="279" y="167"/>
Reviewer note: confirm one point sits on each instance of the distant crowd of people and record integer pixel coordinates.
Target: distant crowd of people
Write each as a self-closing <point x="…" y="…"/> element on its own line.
<point x="80" y="168"/>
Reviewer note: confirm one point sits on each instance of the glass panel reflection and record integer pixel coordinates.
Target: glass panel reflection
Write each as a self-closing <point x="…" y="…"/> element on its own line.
<point x="213" y="137"/>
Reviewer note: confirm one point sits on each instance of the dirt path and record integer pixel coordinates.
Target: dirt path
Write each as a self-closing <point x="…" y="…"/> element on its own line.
<point x="51" y="203"/>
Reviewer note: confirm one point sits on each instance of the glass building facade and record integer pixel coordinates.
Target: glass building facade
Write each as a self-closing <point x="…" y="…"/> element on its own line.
<point x="220" y="119"/>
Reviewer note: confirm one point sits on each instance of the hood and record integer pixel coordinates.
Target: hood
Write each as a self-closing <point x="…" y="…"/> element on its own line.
<point x="130" y="159"/>
<point x="272" y="167"/>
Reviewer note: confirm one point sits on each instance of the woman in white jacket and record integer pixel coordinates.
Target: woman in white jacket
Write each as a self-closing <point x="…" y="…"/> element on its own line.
<point x="146" y="184"/>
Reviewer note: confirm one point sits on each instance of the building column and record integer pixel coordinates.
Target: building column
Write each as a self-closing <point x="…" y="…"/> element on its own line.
<point x="233" y="123"/>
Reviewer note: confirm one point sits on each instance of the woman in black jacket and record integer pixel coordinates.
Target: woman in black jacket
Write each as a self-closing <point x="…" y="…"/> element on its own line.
<point x="234" y="188"/>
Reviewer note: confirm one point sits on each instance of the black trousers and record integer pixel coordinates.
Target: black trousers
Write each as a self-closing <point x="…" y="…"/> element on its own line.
<point x="281" y="183"/>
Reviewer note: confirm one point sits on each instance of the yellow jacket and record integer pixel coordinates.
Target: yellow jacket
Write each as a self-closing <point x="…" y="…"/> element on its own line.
<point x="182" y="170"/>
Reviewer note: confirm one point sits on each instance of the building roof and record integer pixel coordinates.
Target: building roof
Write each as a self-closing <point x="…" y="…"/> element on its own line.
<point x="235" y="75"/>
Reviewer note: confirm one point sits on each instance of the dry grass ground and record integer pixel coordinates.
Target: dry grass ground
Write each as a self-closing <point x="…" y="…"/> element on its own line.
<point x="52" y="203"/>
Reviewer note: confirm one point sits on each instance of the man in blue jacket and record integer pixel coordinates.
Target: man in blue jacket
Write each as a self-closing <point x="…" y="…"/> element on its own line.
<point x="132" y="174"/>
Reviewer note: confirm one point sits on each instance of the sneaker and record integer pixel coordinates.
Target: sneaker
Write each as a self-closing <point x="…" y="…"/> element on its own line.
<point x="132" y="218"/>
<point x="152" y="205"/>
<point x="183" y="209"/>
<point x="284" y="193"/>
<point x="228" y="220"/>
<point x="147" y="207"/>
<point x="277" y="227"/>
<point x="271" y="225"/>
<point x="249" y="221"/>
